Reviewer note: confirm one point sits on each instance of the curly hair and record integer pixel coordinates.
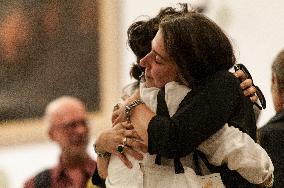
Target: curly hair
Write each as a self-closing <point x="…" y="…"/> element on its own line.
<point x="141" y="33"/>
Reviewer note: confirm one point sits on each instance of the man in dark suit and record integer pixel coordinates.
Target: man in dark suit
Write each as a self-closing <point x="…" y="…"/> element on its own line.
<point x="271" y="135"/>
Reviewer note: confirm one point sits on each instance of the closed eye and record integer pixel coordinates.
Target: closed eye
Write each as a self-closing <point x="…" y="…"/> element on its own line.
<point x="158" y="60"/>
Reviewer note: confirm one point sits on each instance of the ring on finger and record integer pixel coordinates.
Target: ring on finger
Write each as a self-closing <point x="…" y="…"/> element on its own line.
<point x="124" y="141"/>
<point x="116" y="107"/>
<point x="120" y="148"/>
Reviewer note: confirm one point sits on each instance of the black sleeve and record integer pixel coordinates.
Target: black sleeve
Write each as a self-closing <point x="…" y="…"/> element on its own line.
<point x="232" y="179"/>
<point x="202" y="113"/>
<point x="97" y="180"/>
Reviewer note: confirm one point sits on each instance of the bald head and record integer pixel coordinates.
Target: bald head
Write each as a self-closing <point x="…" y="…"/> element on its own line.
<point x="67" y="126"/>
<point x="64" y="110"/>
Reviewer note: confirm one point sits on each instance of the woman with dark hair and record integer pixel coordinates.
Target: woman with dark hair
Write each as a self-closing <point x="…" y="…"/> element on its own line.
<point x="192" y="50"/>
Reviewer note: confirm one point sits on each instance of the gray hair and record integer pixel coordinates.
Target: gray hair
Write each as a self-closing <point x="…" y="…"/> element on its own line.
<point x="278" y="69"/>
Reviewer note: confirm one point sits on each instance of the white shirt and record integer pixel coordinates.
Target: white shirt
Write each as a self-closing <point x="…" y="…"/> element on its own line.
<point x="229" y="145"/>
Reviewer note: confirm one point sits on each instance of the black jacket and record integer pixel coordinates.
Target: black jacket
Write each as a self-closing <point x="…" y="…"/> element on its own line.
<point x="212" y="102"/>
<point x="271" y="138"/>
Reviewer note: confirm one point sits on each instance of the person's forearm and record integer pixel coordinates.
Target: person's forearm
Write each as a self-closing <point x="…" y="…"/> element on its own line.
<point x="103" y="155"/>
<point x="198" y="117"/>
<point x="140" y="118"/>
<point x="102" y="165"/>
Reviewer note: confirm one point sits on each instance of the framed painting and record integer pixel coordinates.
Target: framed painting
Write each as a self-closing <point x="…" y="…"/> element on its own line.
<point x="47" y="49"/>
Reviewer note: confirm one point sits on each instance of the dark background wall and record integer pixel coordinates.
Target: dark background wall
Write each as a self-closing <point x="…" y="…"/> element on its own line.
<point x="47" y="49"/>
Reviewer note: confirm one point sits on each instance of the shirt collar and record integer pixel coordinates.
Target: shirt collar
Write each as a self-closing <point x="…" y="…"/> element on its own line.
<point x="88" y="168"/>
<point x="278" y="117"/>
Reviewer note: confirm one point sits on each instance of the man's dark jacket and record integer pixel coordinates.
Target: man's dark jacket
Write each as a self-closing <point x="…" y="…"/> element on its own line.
<point x="271" y="138"/>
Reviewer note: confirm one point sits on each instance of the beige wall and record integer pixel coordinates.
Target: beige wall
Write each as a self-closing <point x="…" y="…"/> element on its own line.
<point x="254" y="27"/>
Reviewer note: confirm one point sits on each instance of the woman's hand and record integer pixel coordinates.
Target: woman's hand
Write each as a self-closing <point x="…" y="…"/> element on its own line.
<point x="108" y="141"/>
<point x="246" y="85"/>
<point x="118" y="114"/>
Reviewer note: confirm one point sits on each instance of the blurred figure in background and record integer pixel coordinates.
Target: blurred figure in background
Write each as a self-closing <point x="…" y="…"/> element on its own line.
<point x="271" y="135"/>
<point x="66" y="118"/>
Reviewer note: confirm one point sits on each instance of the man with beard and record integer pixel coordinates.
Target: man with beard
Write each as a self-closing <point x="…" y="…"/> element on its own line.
<point x="67" y="126"/>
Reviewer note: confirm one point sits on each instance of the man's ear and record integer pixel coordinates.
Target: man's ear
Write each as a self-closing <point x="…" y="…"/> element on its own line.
<point x="273" y="77"/>
<point x="51" y="134"/>
<point x="274" y="81"/>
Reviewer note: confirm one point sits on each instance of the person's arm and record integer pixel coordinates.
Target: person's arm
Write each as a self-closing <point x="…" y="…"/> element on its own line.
<point x="119" y="116"/>
<point x="106" y="144"/>
<point x="102" y="165"/>
<point x="109" y="139"/>
<point x="98" y="181"/>
<point x="204" y="111"/>
<point x="241" y="154"/>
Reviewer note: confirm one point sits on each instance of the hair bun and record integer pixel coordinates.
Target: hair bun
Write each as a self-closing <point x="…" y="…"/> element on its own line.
<point x="136" y="71"/>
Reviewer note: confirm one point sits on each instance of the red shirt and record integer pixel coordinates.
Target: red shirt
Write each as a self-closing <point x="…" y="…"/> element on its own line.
<point x="60" y="179"/>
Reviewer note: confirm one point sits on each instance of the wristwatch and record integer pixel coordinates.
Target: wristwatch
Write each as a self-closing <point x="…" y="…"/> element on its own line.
<point x="129" y="107"/>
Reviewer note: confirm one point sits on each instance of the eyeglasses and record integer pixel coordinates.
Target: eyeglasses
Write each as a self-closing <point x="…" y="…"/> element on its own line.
<point x="258" y="91"/>
<point x="73" y="125"/>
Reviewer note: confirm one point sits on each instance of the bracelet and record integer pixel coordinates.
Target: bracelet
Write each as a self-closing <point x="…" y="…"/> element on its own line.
<point x="128" y="108"/>
<point x="269" y="182"/>
<point x="101" y="154"/>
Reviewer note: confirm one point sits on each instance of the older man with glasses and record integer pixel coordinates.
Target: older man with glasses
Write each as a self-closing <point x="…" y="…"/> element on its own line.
<point x="67" y="126"/>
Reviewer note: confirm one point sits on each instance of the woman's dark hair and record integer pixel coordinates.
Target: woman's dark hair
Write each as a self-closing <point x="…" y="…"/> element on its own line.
<point x="197" y="45"/>
<point x="141" y="33"/>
